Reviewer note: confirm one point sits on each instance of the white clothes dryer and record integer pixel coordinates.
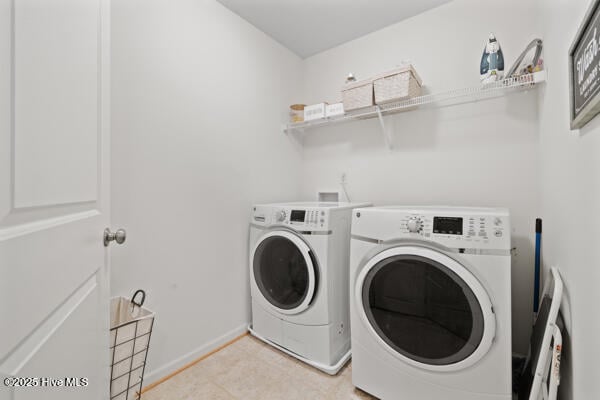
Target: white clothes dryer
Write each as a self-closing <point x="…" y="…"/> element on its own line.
<point x="431" y="303"/>
<point x="299" y="280"/>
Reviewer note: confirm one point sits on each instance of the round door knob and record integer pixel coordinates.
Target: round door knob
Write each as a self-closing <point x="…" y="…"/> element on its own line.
<point x="414" y="225"/>
<point x="119" y="236"/>
<point x="280" y="216"/>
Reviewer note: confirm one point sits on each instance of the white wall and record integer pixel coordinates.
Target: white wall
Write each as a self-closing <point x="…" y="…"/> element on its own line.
<point x="197" y="102"/>
<point x="482" y="154"/>
<point x="570" y="199"/>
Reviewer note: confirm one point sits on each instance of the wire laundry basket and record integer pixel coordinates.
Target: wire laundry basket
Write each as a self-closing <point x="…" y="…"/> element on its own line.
<point x="130" y="330"/>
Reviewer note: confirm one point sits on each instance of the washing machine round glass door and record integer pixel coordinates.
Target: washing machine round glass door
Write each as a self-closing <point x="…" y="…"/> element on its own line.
<point x="425" y="308"/>
<point x="285" y="271"/>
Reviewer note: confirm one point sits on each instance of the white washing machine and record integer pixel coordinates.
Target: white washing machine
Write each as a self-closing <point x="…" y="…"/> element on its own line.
<point x="431" y="303"/>
<point x="299" y="280"/>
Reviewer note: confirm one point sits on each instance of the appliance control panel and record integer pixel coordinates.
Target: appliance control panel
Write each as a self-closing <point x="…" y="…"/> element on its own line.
<point x="454" y="229"/>
<point x="299" y="218"/>
<point x="309" y="218"/>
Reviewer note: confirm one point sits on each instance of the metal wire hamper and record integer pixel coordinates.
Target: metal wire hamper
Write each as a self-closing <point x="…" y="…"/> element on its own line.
<point x="130" y="330"/>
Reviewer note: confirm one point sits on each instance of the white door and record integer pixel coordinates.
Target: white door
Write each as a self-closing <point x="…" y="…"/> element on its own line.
<point x="54" y="179"/>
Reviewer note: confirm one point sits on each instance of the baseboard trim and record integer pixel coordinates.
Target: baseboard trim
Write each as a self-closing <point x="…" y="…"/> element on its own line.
<point x="182" y="363"/>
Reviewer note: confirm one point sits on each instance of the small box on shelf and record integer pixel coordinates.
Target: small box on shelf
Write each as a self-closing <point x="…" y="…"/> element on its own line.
<point x="314" y="111"/>
<point x="335" y="109"/>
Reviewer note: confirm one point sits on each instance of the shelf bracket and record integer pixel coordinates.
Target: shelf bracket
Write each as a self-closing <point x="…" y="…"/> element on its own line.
<point x="386" y="132"/>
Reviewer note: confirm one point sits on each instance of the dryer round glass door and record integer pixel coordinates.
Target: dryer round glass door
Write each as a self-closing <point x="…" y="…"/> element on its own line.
<point x="425" y="308"/>
<point x="285" y="271"/>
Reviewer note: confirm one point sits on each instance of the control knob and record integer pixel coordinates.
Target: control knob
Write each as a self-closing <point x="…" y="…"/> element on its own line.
<point x="280" y="216"/>
<point x="414" y="225"/>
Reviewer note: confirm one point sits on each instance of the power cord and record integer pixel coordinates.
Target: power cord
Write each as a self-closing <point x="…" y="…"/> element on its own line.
<point x="343" y="183"/>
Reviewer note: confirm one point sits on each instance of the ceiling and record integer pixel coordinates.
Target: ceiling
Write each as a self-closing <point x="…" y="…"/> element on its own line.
<point x="307" y="27"/>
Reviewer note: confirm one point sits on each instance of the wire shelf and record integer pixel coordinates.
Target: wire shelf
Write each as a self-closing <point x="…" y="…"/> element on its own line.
<point x="450" y="97"/>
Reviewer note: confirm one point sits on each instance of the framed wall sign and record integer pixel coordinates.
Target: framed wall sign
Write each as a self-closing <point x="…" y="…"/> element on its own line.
<point x="584" y="69"/>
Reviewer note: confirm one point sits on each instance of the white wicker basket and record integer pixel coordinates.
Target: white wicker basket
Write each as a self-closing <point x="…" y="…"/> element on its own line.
<point x="358" y="95"/>
<point x="401" y="83"/>
<point x="130" y="330"/>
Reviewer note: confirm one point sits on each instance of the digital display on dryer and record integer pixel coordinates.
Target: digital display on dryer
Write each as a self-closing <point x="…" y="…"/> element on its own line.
<point x="298" y="215"/>
<point x="448" y="225"/>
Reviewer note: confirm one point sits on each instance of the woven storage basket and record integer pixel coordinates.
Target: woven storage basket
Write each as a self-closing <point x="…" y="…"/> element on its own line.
<point x="399" y="84"/>
<point x="358" y="95"/>
<point x="130" y="330"/>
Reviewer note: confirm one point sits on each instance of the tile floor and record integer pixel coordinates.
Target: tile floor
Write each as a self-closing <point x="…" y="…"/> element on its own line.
<point x="248" y="369"/>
